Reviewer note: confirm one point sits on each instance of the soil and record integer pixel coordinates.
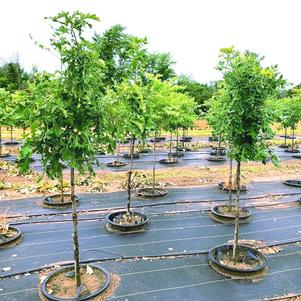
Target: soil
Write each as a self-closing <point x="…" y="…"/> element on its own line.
<point x="56" y="199"/>
<point x="6" y="236"/>
<point x="224" y="210"/>
<point x="64" y="287"/>
<point x="114" y="283"/>
<point x="128" y="219"/>
<point x="242" y="261"/>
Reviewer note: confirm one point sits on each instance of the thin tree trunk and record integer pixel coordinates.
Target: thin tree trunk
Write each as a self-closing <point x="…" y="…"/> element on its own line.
<point x="219" y="145"/>
<point x="293" y="143"/>
<point x="236" y="211"/>
<point x="230" y="186"/>
<point x="129" y="187"/>
<point x="183" y="136"/>
<point x="0" y="140"/>
<point x="11" y="133"/>
<point x="285" y="133"/>
<point x="170" y="146"/>
<point x="24" y="129"/>
<point x="62" y="187"/>
<point x="118" y="151"/>
<point x="177" y="140"/>
<point x="154" y="166"/>
<point x="75" y="232"/>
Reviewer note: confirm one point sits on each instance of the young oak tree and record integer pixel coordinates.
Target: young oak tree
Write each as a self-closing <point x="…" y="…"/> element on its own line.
<point x="248" y="85"/>
<point x="65" y="121"/>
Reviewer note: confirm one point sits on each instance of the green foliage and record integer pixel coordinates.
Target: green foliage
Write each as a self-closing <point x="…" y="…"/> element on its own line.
<point x="200" y="92"/>
<point x="6" y="108"/>
<point x="248" y="86"/>
<point x="67" y="111"/>
<point x="12" y="76"/>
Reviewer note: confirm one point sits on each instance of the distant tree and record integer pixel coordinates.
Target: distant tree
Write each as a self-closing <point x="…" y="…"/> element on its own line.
<point x="200" y="92"/>
<point x="12" y="76"/>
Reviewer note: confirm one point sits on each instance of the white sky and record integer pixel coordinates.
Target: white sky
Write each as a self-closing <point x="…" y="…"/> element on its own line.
<point x="193" y="31"/>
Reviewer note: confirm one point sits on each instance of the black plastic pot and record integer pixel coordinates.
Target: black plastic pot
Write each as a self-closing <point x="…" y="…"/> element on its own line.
<point x="5" y="155"/>
<point x="225" y="217"/>
<point x="82" y="298"/>
<point x="148" y="192"/>
<point x="116" y="164"/>
<point x="297" y="156"/>
<point x="31" y="160"/>
<point x="157" y="140"/>
<point x="292" y="151"/>
<point x="221" y="153"/>
<point x="168" y="161"/>
<point x="177" y="154"/>
<point x="49" y="201"/>
<point x="283" y="145"/>
<point x="221" y="187"/>
<point x="161" y="138"/>
<point x="145" y="151"/>
<point x="128" y="156"/>
<point x="222" y="148"/>
<point x="12" y="239"/>
<point x="287" y="137"/>
<point x="113" y="226"/>
<point x="11" y="142"/>
<point x="245" y="254"/>
<point x="294" y="183"/>
<point x="186" y="139"/>
<point x="217" y="159"/>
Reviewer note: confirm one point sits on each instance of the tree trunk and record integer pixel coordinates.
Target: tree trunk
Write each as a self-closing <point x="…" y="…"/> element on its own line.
<point x="170" y="142"/>
<point x="24" y="129"/>
<point x="154" y="166"/>
<point x="219" y="145"/>
<point x="129" y="186"/>
<point x="183" y="136"/>
<point x="285" y="133"/>
<point x="177" y="143"/>
<point x="0" y="141"/>
<point x="293" y="143"/>
<point x="236" y="211"/>
<point x="75" y="232"/>
<point x="11" y="133"/>
<point x="62" y="187"/>
<point x="118" y="151"/>
<point x="230" y="186"/>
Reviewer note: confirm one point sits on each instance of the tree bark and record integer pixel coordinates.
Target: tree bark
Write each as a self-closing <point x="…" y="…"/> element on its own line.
<point x="154" y="166"/>
<point x="219" y="145"/>
<point x="11" y="133"/>
<point x="129" y="186"/>
<point x="62" y="187"/>
<point x="285" y="133"/>
<point x="170" y="142"/>
<point x="118" y="151"/>
<point x="293" y="143"/>
<point x="230" y="186"/>
<point x="0" y="140"/>
<point x="75" y="231"/>
<point x="236" y="211"/>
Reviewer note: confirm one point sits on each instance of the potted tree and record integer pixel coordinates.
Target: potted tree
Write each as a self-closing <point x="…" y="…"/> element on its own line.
<point x="215" y="118"/>
<point x="180" y="113"/>
<point x="62" y="126"/>
<point x="248" y="119"/>
<point x="5" y="116"/>
<point x="132" y="94"/>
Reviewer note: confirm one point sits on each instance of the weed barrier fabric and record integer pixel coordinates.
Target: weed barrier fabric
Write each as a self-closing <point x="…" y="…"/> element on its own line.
<point x="207" y="194"/>
<point x="166" y="235"/>
<point x="182" y="278"/>
<point x="197" y="158"/>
